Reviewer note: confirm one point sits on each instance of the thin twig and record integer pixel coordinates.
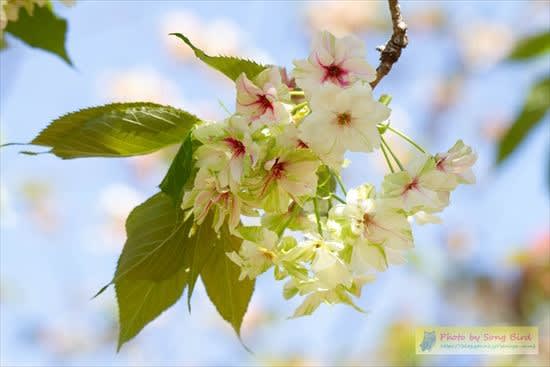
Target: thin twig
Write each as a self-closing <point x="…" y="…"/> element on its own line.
<point x="391" y="51"/>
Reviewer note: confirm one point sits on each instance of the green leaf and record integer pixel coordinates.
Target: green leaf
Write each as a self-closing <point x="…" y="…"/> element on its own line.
<point x="531" y="47"/>
<point x="180" y="171"/>
<point x="221" y="280"/>
<point x="141" y="301"/>
<point x="116" y="130"/>
<point x="150" y="275"/>
<point x="43" y="30"/>
<point x="156" y="241"/>
<point x="232" y="67"/>
<point x="535" y="107"/>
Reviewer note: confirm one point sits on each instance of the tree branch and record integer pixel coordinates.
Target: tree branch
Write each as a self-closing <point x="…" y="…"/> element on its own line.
<point x="391" y="51"/>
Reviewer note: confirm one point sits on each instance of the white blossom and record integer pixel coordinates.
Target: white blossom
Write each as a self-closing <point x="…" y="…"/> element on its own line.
<point x="343" y="119"/>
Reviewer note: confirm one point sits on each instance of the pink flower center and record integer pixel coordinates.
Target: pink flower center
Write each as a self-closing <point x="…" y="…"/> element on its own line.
<point x="413" y="185"/>
<point x="335" y="74"/>
<point x="440" y="164"/>
<point x="343" y="119"/>
<point x="236" y="146"/>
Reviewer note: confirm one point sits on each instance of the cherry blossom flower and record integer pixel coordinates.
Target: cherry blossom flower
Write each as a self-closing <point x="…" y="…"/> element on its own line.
<point x="376" y="229"/>
<point x="258" y="251"/>
<point x="420" y="187"/>
<point x="207" y="195"/>
<point x="338" y="61"/>
<point x="343" y="119"/>
<point x="227" y="149"/>
<point x="289" y="176"/>
<point x="263" y="100"/>
<point x="457" y="162"/>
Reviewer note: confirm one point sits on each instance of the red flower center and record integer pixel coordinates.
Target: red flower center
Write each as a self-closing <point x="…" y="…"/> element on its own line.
<point x="264" y="103"/>
<point x="278" y="169"/>
<point x="236" y="146"/>
<point x="335" y="74"/>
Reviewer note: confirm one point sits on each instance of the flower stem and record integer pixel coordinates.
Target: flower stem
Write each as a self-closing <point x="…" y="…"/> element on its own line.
<point x="338" y="198"/>
<point x="405" y="137"/>
<point x="390" y="166"/>
<point x="317" y="217"/>
<point x="340" y="183"/>
<point x="392" y="153"/>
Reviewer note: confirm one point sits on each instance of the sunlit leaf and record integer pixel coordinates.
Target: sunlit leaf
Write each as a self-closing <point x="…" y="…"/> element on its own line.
<point x="116" y="130"/>
<point x="232" y="67"/>
<point x="43" y="29"/>
<point x="535" y="107"/>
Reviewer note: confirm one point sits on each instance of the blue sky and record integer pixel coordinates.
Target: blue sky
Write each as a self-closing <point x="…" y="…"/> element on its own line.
<point x="47" y="277"/>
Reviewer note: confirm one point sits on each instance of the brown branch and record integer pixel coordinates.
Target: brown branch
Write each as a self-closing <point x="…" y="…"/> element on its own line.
<point x="390" y="52"/>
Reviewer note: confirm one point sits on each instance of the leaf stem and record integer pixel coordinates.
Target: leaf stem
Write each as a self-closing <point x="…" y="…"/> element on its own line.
<point x="406" y="138"/>
<point x="317" y="217"/>
<point x="392" y="153"/>
<point x="390" y="166"/>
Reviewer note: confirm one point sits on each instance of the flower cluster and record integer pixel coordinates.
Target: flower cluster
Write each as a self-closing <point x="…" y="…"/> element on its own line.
<point x="279" y="158"/>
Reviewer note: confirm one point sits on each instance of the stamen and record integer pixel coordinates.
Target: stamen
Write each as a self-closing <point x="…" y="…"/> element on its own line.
<point x="344" y="119"/>
<point x="301" y="144"/>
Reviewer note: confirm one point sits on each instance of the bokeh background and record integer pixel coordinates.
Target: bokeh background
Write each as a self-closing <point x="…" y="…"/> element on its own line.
<point x="62" y="222"/>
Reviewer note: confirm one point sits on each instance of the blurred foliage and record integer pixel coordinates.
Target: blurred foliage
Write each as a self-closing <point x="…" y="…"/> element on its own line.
<point x="534" y="109"/>
<point x="537" y="102"/>
<point x="532" y="46"/>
